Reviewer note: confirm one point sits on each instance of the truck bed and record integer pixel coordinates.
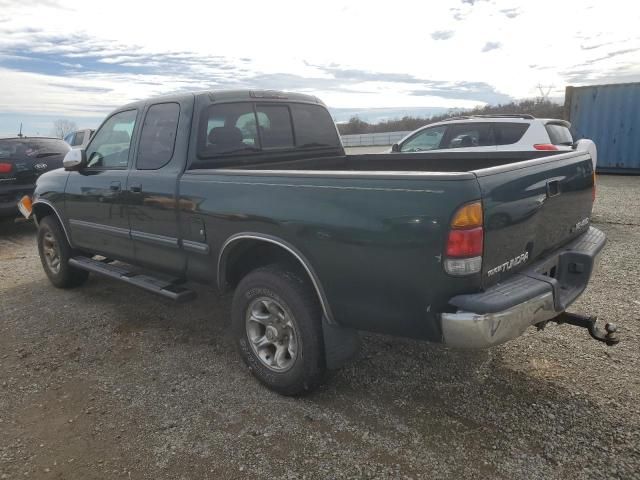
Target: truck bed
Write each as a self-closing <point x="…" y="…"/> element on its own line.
<point x="393" y="162"/>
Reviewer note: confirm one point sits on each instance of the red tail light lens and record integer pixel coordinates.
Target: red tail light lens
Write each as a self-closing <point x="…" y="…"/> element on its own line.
<point x="5" y="167"/>
<point x="465" y="243"/>
<point x="545" y="146"/>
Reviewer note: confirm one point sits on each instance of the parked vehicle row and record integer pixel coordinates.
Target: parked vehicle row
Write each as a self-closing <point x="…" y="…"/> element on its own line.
<point x="79" y="138"/>
<point x="252" y="191"/>
<point x="490" y="133"/>
<point x="22" y="161"/>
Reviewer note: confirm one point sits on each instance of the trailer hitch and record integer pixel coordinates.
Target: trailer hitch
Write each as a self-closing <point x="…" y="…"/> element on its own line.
<point x="607" y="336"/>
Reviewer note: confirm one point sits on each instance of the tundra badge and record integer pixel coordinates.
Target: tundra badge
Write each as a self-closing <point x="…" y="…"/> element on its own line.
<point x="509" y="264"/>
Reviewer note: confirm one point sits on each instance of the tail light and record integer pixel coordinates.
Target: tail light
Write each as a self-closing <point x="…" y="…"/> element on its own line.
<point x="545" y="146"/>
<point x="465" y="241"/>
<point x="5" y="167"/>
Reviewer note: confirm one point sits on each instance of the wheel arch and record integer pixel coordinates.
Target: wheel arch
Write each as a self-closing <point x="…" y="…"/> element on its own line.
<point x="231" y="268"/>
<point x="43" y="208"/>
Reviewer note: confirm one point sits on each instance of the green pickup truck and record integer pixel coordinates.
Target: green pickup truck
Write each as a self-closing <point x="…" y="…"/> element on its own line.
<point x="252" y="191"/>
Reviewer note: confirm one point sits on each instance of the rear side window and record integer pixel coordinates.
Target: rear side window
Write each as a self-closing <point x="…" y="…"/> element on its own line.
<point x="274" y="123"/>
<point x="468" y="135"/>
<point x="508" y="133"/>
<point x="158" y="136"/>
<point x="314" y="126"/>
<point x="559" y="134"/>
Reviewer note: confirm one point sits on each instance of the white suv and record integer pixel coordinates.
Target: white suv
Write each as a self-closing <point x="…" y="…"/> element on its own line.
<point x="489" y="133"/>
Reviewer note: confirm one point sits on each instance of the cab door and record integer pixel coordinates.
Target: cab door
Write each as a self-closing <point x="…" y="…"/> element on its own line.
<point x="95" y="196"/>
<point x="152" y="185"/>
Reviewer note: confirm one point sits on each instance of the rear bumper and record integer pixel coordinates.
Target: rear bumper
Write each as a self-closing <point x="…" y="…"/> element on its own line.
<point x="539" y="293"/>
<point x="9" y="197"/>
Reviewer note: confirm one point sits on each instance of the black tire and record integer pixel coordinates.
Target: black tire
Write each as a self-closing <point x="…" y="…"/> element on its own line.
<point x="64" y="276"/>
<point x="294" y="295"/>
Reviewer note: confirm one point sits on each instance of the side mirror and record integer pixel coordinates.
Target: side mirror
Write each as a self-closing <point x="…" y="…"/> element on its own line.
<point x="395" y="147"/>
<point x="75" y="159"/>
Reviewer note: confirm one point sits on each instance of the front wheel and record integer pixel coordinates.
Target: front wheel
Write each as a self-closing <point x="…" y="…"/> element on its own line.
<point x="277" y="327"/>
<point x="55" y="253"/>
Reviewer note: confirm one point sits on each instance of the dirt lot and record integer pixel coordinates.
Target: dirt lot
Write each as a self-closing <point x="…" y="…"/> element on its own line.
<point x="110" y="382"/>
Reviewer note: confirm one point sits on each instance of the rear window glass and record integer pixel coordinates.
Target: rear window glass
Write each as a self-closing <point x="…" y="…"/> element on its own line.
<point x="236" y="128"/>
<point x="314" y="126"/>
<point x="559" y="134"/>
<point x="508" y="133"/>
<point x="274" y="123"/>
<point x="228" y="128"/>
<point x="28" y="148"/>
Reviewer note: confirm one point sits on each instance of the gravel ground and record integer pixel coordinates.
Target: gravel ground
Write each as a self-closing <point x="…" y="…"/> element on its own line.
<point x="106" y="381"/>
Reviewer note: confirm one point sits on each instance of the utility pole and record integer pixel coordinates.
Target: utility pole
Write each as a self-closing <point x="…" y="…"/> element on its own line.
<point x="20" y="135"/>
<point x="544" y="90"/>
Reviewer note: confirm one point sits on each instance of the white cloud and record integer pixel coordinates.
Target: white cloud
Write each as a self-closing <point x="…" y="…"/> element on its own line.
<point x="108" y="53"/>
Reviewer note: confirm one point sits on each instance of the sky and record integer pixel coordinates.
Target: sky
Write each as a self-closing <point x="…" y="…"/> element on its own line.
<point x="79" y="60"/>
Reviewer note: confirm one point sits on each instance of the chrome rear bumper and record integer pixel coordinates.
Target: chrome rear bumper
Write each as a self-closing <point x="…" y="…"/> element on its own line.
<point x="506" y="310"/>
<point x="472" y="330"/>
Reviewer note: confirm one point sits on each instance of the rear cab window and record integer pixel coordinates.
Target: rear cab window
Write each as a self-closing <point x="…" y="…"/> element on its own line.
<point x="251" y="128"/>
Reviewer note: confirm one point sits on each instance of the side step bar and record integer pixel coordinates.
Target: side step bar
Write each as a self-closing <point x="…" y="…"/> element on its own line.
<point x="166" y="288"/>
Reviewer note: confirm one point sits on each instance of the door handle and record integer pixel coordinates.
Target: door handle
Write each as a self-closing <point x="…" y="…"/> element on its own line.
<point x="136" y="188"/>
<point x="114" y="187"/>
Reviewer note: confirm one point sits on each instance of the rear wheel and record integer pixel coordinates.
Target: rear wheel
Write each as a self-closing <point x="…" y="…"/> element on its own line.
<point x="277" y="329"/>
<point x="55" y="253"/>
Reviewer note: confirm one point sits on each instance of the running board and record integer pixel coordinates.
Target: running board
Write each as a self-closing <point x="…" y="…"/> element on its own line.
<point x="165" y="288"/>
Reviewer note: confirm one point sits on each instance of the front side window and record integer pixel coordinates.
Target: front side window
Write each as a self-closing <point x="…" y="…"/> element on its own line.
<point x="109" y="147"/>
<point x="158" y="136"/>
<point x="428" y="139"/>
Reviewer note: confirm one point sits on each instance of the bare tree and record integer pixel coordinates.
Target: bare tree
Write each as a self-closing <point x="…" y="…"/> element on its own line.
<point x="62" y="127"/>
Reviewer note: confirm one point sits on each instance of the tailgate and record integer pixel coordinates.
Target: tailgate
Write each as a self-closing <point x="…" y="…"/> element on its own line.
<point x="532" y="208"/>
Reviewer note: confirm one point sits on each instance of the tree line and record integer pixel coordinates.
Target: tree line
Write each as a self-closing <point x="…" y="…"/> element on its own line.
<point x="539" y="107"/>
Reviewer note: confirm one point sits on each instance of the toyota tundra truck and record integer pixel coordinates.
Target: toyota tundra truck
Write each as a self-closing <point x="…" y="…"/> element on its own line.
<point x="251" y="191"/>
